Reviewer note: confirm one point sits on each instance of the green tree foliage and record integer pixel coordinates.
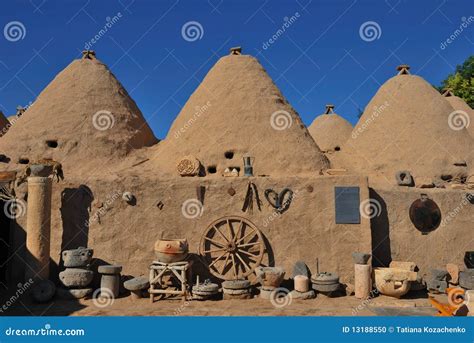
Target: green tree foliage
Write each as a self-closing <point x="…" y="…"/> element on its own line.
<point x="462" y="81"/>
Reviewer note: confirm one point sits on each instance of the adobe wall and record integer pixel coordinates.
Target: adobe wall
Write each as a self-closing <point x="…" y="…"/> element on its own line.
<point x="125" y="234"/>
<point x="446" y="244"/>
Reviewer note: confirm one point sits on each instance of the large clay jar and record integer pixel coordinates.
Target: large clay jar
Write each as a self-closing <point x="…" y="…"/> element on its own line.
<point x="270" y="277"/>
<point x="171" y="250"/>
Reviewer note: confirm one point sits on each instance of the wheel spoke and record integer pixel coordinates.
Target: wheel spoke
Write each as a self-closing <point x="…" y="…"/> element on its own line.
<point x="225" y="263"/>
<point x="247" y="235"/>
<point x="220" y="232"/>
<point x="214" y="250"/>
<point x="243" y="262"/>
<point x="248" y="244"/>
<point x="239" y="229"/>
<point x="219" y="244"/>
<point x="234" y="265"/>
<point x="217" y="259"/>
<point x="247" y="253"/>
<point x="231" y="230"/>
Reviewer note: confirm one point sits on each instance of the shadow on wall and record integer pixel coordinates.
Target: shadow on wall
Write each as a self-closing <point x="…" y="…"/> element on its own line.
<point x="75" y="209"/>
<point x="380" y="232"/>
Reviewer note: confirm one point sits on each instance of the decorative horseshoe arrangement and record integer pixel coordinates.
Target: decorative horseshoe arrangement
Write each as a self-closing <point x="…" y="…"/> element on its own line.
<point x="278" y="201"/>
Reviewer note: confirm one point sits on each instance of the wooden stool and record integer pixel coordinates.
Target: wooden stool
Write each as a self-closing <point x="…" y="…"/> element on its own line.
<point x="180" y="270"/>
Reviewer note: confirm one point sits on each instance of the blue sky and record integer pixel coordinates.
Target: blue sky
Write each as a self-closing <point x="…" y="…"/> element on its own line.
<point x="321" y="58"/>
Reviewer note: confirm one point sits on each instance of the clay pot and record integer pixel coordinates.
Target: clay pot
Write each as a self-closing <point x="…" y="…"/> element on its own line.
<point x="270" y="277"/>
<point x="393" y="282"/>
<point x="171" y="250"/>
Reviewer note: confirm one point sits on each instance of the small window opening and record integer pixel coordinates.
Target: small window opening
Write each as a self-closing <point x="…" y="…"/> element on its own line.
<point x="338" y="148"/>
<point x="229" y="155"/>
<point x="212" y="169"/>
<point x="23" y="160"/>
<point x="52" y="143"/>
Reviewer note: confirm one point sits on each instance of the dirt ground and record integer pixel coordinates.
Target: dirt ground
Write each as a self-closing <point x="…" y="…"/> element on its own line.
<point x="320" y="306"/>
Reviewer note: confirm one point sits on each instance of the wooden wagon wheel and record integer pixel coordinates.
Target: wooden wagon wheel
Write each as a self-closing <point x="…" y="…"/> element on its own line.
<point x="233" y="247"/>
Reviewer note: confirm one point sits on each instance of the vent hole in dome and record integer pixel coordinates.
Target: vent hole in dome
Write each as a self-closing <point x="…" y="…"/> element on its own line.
<point x="212" y="169"/>
<point x="338" y="148"/>
<point x="23" y="160"/>
<point x="229" y="155"/>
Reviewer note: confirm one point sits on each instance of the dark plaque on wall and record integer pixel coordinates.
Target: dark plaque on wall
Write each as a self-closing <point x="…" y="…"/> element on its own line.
<point x="347" y="202"/>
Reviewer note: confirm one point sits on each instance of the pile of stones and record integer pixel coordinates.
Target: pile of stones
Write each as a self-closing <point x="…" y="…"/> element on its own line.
<point x="237" y="289"/>
<point x="205" y="291"/>
<point x="77" y="276"/>
<point x="438" y="281"/>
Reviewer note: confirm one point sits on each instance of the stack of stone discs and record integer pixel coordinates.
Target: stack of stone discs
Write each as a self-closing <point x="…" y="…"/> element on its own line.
<point x="237" y="289"/>
<point x="326" y="283"/>
<point x="77" y="276"/>
<point x="205" y="291"/>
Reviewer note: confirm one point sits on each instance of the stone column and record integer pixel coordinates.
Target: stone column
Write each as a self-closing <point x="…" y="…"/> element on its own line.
<point x="38" y="228"/>
<point x="363" y="281"/>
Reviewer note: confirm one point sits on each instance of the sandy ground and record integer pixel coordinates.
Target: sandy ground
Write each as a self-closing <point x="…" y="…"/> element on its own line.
<point x="126" y="306"/>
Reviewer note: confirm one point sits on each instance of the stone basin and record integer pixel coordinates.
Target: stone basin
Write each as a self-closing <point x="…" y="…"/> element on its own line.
<point x="270" y="277"/>
<point x="393" y="282"/>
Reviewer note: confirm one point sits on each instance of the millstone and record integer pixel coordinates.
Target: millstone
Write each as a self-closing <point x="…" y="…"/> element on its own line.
<point x="76" y="278"/>
<point x="303" y="296"/>
<point x="137" y="284"/>
<point x="79" y="257"/>
<point x="109" y="269"/>
<point x="69" y="294"/>
<point x="236" y="291"/>
<point x="236" y="284"/>
<point x="44" y="291"/>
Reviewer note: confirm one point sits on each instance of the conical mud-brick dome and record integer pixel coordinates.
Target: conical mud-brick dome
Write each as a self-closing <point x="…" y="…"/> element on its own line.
<point x="3" y="124"/>
<point x="238" y="111"/>
<point x="83" y="118"/>
<point x="329" y="130"/>
<point x="460" y="105"/>
<point x="405" y="127"/>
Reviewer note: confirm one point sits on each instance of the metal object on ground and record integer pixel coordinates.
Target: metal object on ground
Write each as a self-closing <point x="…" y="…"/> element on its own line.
<point x="181" y="271"/>
<point x="171" y="250"/>
<point x="425" y="214"/>
<point x="233" y="247"/>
